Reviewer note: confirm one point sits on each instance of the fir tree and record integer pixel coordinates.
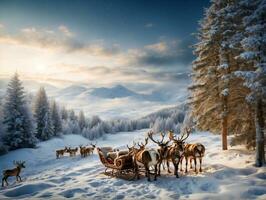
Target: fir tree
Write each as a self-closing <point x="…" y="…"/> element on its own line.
<point x="218" y="96"/>
<point x="81" y="120"/>
<point x="44" y="129"/>
<point x="64" y="113"/>
<point x="253" y="44"/>
<point x="17" y="117"/>
<point x="56" y="119"/>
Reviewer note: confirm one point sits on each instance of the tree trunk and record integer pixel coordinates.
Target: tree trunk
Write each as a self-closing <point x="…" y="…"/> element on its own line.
<point x="259" y="123"/>
<point x="224" y="123"/>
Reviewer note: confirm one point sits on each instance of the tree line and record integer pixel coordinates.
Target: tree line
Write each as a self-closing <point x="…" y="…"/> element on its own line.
<point x="25" y="120"/>
<point x="229" y="73"/>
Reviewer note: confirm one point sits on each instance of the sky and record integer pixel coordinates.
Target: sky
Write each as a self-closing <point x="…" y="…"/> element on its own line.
<point x="98" y="42"/>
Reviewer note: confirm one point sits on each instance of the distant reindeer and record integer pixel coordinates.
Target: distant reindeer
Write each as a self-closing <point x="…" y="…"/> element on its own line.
<point x="91" y="149"/>
<point x="13" y="172"/>
<point x="192" y="152"/>
<point x="72" y="152"/>
<point x="82" y="151"/>
<point x="163" y="151"/>
<point x="147" y="158"/>
<point x="60" y="152"/>
<point x="177" y="149"/>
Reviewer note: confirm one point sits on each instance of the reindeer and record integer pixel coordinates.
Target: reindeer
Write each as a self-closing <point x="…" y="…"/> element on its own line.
<point x="72" y="152"/>
<point x="163" y="151"/>
<point x="192" y="152"/>
<point x="91" y="149"/>
<point x="147" y="158"/>
<point x="176" y="150"/>
<point x="13" y="172"/>
<point x="82" y="151"/>
<point x="60" y="152"/>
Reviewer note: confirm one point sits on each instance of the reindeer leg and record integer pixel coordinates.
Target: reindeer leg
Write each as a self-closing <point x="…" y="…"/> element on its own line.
<point x="181" y="159"/>
<point x="148" y="172"/>
<point x="3" y="181"/>
<point x="155" y="172"/>
<point x="195" y="162"/>
<point x="6" y="181"/>
<point x="176" y="168"/>
<point x="200" y="160"/>
<point x="159" y="170"/>
<point x="186" y="164"/>
<point x="136" y="170"/>
<point x="190" y="163"/>
<point x="163" y="164"/>
<point x="19" y="177"/>
<point x="167" y="163"/>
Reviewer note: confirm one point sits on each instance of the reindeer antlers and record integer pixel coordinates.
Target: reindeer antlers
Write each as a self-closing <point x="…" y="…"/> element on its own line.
<point x="143" y="145"/>
<point x="183" y="137"/>
<point x="18" y="162"/>
<point x="94" y="145"/>
<point x="150" y="135"/>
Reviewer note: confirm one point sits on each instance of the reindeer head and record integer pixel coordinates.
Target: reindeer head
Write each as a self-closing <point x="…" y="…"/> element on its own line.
<point x="179" y="143"/>
<point x="143" y="145"/>
<point x="130" y="149"/>
<point x="81" y="147"/>
<point x="67" y="149"/>
<point x="93" y="145"/>
<point x="19" y="164"/>
<point x="162" y="144"/>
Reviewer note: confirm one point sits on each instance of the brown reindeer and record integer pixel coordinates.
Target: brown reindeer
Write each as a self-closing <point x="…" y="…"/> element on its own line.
<point x="192" y="152"/>
<point x="60" y="152"/>
<point x="13" y="172"/>
<point x="176" y="151"/>
<point x="72" y="152"/>
<point x="163" y="150"/>
<point x="91" y="149"/>
<point x="147" y="158"/>
<point x="82" y="151"/>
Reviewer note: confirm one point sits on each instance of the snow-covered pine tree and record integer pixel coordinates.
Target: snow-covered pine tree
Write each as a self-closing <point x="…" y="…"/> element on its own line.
<point x="3" y="148"/>
<point x="254" y="53"/>
<point x="205" y="91"/>
<point x="56" y="119"/>
<point x="218" y="96"/>
<point x="42" y="115"/>
<point x="17" y="117"/>
<point x="241" y="125"/>
<point x="64" y="113"/>
<point x="82" y="120"/>
<point x="72" y="115"/>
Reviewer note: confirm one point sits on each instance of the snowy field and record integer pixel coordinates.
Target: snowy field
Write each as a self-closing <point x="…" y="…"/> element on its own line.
<point x="226" y="175"/>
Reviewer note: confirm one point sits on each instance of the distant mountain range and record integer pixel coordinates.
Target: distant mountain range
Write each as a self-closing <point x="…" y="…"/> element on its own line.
<point x="117" y="101"/>
<point x="82" y="92"/>
<point x="118" y="91"/>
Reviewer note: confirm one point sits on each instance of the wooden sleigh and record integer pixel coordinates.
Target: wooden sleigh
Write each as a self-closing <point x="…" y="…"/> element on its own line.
<point x="120" y="167"/>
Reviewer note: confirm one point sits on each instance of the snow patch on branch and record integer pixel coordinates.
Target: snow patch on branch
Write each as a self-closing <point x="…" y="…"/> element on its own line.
<point x="225" y="92"/>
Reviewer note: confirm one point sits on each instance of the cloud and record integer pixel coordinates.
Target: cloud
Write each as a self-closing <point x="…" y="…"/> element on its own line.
<point x="68" y="59"/>
<point x="107" y="75"/>
<point x="162" y="54"/>
<point x="61" y="40"/>
<point x="149" y="25"/>
<point x="65" y="30"/>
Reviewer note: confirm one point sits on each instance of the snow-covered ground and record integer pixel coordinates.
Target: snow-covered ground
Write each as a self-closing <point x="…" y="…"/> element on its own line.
<point x="226" y="174"/>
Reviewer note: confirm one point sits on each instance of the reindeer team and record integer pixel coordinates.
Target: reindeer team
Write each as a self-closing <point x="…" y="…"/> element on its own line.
<point x="174" y="150"/>
<point x="167" y="153"/>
